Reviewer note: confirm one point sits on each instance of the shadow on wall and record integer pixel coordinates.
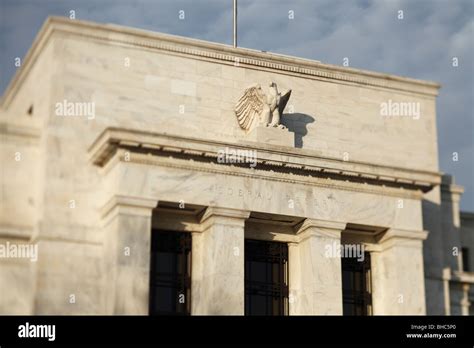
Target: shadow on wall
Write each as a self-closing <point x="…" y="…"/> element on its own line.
<point x="433" y="258"/>
<point x="442" y="253"/>
<point x="297" y="124"/>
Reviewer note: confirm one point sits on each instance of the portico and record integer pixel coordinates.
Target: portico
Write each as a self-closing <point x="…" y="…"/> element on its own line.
<point x="150" y="185"/>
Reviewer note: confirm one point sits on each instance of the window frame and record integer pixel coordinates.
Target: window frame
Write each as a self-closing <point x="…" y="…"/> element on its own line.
<point x="465" y="259"/>
<point x="279" y="290"/>
<point x="362" y="298"/>
<point x="179" y="281"/>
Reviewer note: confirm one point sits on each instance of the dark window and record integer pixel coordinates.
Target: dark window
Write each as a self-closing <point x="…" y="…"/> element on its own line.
<point x="465" y="259"/>
<point x="170" y="280"/>
<point x="356" y="286"/>
<point x="266" y="278"/>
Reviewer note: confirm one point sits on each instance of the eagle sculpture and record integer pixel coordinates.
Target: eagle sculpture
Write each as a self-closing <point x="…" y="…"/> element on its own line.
<point x="257" y="108"/>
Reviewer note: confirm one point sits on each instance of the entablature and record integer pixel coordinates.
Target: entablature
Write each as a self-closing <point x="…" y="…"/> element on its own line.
<point x="278" y="161"/>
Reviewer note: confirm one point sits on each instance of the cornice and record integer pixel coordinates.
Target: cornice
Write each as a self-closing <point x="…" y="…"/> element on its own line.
<point x="398" y="234"/>
<point x="8" y="231"/>
<point x="462" y="277"/>
<point x="9" y="129"/>
<point x="224" y="216"/>
<point x="467" y="215"/>
<point x="310" y="228"/>
<point x="129" y="205"/>
<point x="169" y="162"/>
<point x="452" y="189"/>
<point x="320" y="225"/>
<point x="224" y="212"/>
<point x="276" y="162"/>
<point x="221" y="53"/>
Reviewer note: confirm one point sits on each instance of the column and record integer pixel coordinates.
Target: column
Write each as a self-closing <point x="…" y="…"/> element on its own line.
<point x="314" y="273"/>
<point x="127" y="223"/>
<point x="294" y="279"/>
<point x="397" y="273"/>
<point x="459" y="296"/>
<point x="218" y="264"/>
<point x="465" y="303"/>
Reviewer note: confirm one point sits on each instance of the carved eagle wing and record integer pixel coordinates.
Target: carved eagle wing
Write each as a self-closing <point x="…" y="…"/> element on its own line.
<point x="250" y="106"/>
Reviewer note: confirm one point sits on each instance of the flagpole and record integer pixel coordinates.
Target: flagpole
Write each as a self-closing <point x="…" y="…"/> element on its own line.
<point x="235" y="23"/>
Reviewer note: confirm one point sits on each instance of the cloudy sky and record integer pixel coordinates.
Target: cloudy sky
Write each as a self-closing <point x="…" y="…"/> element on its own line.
<point x="421" y="45"/>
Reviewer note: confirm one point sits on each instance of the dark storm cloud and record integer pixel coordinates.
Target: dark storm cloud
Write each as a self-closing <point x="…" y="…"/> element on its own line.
<point x="369" y="33"/>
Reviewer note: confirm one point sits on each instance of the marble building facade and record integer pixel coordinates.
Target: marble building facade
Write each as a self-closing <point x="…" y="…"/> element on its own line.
<point x="109" y="133"/>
